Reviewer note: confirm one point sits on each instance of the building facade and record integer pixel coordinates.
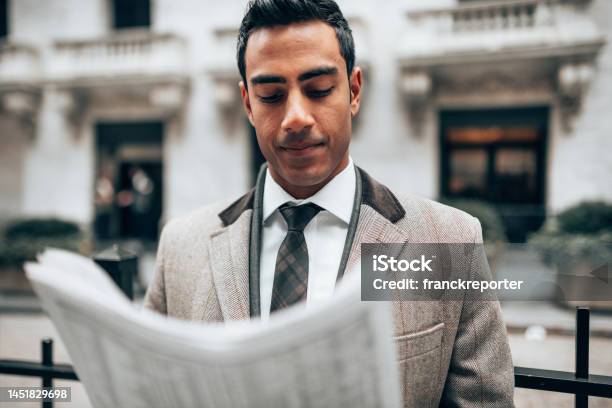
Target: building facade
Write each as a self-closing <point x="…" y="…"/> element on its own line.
<point x="121" y="114"/>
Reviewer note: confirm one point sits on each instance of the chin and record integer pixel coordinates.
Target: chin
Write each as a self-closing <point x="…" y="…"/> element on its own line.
<point x="308" y="176"/>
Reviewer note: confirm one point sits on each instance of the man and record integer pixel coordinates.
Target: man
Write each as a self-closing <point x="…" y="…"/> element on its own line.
<point x="299" y="230"/>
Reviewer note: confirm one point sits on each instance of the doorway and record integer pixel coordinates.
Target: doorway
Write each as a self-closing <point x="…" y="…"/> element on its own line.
<point x="129" y="181"/>
<point x="497" y="156"/>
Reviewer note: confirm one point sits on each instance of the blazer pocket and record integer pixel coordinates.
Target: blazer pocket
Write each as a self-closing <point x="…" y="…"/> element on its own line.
<point x="419" y="362"/>
<point x="414" y="344"/>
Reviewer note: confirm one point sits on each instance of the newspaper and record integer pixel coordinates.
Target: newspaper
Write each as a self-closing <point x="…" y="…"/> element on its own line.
<point x="338" y="354"/>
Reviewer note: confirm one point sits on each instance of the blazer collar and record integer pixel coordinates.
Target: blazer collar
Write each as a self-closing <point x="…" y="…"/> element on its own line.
<point x="231" y="213"/>
<point x="374" y="194"/>
<point x="380" y="198"/>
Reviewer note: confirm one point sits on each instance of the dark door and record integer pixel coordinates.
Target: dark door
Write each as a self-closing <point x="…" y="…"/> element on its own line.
<point x="129" y="174"/>
<point x="498" y="156"/>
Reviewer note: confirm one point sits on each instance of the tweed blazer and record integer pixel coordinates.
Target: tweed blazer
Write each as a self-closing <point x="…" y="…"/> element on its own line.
<point x="450" y="352"/>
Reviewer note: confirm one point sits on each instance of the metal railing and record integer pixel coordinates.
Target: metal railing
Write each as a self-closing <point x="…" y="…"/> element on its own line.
<point x="580" y="382"/>
<point x="122" y="267"/>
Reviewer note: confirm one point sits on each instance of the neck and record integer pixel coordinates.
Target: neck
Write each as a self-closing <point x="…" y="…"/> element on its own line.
<point x="302" y="192"/>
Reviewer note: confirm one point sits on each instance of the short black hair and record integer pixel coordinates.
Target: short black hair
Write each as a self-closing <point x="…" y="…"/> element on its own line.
<point x="271" y="13"/>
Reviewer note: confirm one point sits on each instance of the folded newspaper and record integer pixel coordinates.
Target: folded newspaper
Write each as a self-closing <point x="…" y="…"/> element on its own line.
<point x="338" y="354"/>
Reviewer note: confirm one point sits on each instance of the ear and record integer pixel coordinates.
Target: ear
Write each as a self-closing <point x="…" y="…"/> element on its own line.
<point x="355" y="87"/>
<point x="246" y="103"/>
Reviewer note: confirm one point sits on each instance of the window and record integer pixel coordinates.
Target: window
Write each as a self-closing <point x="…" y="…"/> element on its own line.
<point x="4" y="19"/>
<point x="131" y="13"/>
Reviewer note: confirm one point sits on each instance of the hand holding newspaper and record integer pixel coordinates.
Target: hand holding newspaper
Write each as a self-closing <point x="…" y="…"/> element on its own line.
<point x="339" y="354"/>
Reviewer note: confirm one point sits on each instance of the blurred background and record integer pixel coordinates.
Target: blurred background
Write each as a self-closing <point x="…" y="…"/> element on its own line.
<point x="117" y="115"/>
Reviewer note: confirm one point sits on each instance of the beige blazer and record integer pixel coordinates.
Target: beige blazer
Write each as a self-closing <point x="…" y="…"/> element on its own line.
<point x="450" y="353"/>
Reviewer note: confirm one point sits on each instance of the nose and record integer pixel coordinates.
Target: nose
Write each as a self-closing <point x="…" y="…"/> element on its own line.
<point x="297" y="115"/>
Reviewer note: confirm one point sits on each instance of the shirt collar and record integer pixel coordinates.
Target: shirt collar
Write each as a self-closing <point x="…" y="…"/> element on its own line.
<point x="337" y="196"/>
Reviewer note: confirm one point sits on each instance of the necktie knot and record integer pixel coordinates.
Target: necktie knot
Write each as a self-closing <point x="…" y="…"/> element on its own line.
<point x="298" y="216"/>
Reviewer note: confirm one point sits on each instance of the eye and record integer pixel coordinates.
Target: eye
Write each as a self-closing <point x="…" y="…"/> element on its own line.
<point x="271" y="98"/>
<point x="320" y="93"/>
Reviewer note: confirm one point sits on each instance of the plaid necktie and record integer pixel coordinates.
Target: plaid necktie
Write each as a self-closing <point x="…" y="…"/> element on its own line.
<point x="291" y="272"/>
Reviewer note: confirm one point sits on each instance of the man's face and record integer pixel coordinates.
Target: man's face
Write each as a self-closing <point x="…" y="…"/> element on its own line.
<point x="300" y="101"/>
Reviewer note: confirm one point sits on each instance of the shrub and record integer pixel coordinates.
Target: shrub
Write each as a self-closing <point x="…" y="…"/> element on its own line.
<point x="24" y="239"/>
<point x="583" y="231"/>
<point x="40" y="227"/>
<point x="589" y="217"/>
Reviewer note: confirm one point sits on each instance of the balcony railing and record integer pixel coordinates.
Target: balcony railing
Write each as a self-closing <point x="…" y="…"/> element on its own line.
<point x="497" y="16"/>
<point x="134" y="54"/>
<point x="18" y="64"/>
<point x="500" y="26"/>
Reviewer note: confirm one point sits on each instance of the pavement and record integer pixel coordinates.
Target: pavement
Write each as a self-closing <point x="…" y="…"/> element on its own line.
<point x="554" y="318"/>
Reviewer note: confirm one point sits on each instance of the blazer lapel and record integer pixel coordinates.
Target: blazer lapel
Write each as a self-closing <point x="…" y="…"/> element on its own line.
<point x="379" y="210"/>
<point x="372" y="228"/>
<point x="234" y="254"/>
<point x="229" y="258"/>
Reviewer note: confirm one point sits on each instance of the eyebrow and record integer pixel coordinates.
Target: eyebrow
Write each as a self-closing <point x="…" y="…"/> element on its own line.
<point x="275" y="79"/>
<point x="318" y="72"/>
<point x="267" y="79"/>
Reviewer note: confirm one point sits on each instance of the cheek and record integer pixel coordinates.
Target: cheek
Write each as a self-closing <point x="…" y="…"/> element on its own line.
<point x="266" y="130"/>
<point x="335" y="122"/>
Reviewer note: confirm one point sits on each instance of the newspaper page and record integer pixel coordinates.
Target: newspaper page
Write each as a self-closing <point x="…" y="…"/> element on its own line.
<point x="338" y="354"/>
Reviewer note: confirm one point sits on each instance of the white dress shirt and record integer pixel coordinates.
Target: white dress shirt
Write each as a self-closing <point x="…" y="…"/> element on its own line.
<point x="325" y="235"/>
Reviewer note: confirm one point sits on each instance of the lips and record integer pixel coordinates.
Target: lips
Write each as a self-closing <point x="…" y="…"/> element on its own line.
<point x="302" y="149"/>
<point x="298" y="147"/>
